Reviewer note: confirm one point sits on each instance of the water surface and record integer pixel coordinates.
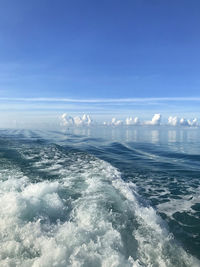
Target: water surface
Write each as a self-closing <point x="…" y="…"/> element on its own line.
<point x="100" y="197"/>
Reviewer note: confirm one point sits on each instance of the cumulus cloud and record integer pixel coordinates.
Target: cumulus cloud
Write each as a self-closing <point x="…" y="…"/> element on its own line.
<point x="132" y="121"/>
<point x="175" y="121"/>
<point x="116" y="122"/>
<point x="183" y="122"/>
<point x="193" y="122"/>
<point x="81" y="121"/>
<point x="136" y="120"/>
<point x="67" y="120"/>
<point x="155" y="120"/>
<point x="85" y="120"/>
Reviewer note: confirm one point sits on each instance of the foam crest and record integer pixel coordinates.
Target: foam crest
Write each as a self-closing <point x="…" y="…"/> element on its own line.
<point x="37" y="232"/>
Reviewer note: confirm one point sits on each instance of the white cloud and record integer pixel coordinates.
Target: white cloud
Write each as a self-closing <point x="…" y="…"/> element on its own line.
<point x="67" y="120"/>
<point x="155" y="120"/>
<point x="193" y="122"/>
<point x="116" y="122"/>
<point x="136" y="120"/>
<point x="129" y="121"/>
<point x="175" y="121"/>
<point x="85" y="120"/>
<point x="183" y="122"/>
<point x="132" y="121"/>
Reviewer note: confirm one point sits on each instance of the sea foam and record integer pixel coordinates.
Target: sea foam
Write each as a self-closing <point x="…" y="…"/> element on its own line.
<point x="84" y="214"/>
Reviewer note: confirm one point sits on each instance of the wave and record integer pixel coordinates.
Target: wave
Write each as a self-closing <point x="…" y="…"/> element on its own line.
<point x="61" y="207"/>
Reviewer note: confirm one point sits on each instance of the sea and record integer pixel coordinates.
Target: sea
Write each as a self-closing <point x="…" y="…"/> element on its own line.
<point x="100" y="196"/>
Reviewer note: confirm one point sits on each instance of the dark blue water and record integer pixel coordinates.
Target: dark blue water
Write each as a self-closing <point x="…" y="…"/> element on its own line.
<point x="100" y="197"/>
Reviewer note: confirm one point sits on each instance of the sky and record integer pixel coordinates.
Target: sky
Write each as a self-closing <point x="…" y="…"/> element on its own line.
<point x="106" y="56"/>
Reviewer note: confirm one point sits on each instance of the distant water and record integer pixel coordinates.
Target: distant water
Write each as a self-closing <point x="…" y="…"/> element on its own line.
<point x="100" y="197"/>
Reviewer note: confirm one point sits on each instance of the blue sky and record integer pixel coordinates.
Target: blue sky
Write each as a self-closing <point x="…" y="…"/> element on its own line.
<point x="98" y="50"/>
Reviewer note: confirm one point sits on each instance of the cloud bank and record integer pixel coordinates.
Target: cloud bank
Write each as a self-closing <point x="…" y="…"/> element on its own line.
<point x="85" y="120"/>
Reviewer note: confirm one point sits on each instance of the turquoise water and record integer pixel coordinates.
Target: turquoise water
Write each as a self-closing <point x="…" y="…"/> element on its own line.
<point x="100" y="197"/>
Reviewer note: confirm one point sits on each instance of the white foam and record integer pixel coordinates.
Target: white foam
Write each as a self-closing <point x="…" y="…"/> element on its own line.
<point x="154" y="241"/>
<point x="75" y="220"/>
<point x="180" y="205"/>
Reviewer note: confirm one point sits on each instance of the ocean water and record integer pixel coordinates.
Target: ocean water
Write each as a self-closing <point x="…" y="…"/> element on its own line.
<point x="100" y="197"/>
